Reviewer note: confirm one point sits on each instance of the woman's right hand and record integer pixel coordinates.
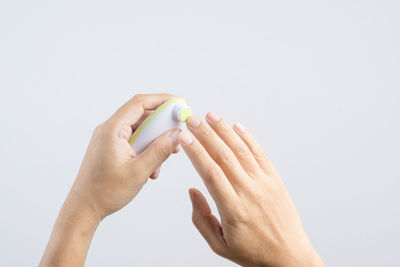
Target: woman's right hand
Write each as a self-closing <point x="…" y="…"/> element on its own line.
<point x="259" y="222"/>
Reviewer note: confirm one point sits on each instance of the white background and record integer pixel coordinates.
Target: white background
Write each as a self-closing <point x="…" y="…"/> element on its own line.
<point x="317" y="82"/>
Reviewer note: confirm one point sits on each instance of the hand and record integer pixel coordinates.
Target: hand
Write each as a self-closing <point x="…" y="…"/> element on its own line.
<point x="259" y="222"/>
<point x="111" y="175"/>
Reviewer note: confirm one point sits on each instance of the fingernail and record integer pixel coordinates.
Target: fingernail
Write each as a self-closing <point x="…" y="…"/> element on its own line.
<point x="185" y="138"/>
<point x="214" y="116"/>
<point x="157" y="171"/>
<point x="173" y="135"/>
<point x="193" y="122"/>
<point x="193" y="197"/>
<point x="155" y="174"/>
<point x="238" y="126"/>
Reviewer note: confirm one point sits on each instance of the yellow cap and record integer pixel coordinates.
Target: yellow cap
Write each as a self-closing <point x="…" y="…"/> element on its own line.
<point x="185" y="113"/>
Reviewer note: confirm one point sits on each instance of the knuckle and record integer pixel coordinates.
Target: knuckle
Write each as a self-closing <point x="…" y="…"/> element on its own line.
<point x="125" y="132"/>
<point x="275" y="188"/>
<point x="257" y="194"/>
<point x="239" y="216"/>
<point x="161" y="152"/>
<point x="165" y="94"/>
<point x="212" y="174"/>
<point x="259" y="154"/>
<point x="99" y="128"/>
<point x="199" y="153"/>
<point x="226" y="158"/>
<point x="242" y="214"/>
<point x="102" y="129"/>
<point x="242" y="151"/>
<point x="195" y="218"/>
<point x="225" y="127"/>
<point x="137" y="97"/>
<point x="204" y="131"/>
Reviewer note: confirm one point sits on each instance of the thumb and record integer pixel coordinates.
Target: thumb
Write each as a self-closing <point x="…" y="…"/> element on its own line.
<point x="207" y="224"/>
<point x="156" y="153"/>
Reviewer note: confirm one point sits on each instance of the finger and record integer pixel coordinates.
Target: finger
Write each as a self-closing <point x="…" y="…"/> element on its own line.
<point x="218" y="150"/>
<point x="155" y="154"/>
<point x="255" y="148"/>
<point x="215" y="180"/>
<point x="133" y="110"/>
<point x="177" y="149"/>
<point x="146" y="113"/>
<point x="155" y="174"/>
<point x="207" y="224"/>
<point x="234" y="142"/>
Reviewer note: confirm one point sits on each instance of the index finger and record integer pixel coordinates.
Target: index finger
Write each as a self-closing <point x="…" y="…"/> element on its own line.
<point x="133" y="110"/>
<point x="213" y="177"/>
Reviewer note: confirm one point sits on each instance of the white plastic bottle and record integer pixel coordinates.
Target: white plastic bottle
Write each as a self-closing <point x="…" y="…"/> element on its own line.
<point x="171" y="114"/>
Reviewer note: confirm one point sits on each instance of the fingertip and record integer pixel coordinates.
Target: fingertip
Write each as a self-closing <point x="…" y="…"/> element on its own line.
<point x="177" y="149"/>
<point x="193" y="122"/>
<point x="213" y="117"/>
<point x="193" y="191"/>
<point x="193" y="198"/>
<point x="156" y="173"/>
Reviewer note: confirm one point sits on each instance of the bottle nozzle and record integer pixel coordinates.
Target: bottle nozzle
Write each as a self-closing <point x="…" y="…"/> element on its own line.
<point x="184" y="113"/>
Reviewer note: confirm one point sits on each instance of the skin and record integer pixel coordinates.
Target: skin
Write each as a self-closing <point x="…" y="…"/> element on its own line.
<point x="259" y="223"/>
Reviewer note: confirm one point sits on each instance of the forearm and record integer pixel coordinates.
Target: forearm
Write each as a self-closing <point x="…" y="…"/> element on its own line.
<point x="110" y="176"/>
<point x="71" y="235"/>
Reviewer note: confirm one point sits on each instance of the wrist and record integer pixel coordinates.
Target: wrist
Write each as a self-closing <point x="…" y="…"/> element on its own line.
<point x="79" y="210"/>
<point x="311" y="259"/>
<point x="72" y="234"/>
<point x="304" y="256"/>
<point x="78" y="218"/>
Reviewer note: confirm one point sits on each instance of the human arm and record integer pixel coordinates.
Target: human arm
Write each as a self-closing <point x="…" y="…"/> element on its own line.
<point x="111" y="175"/>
